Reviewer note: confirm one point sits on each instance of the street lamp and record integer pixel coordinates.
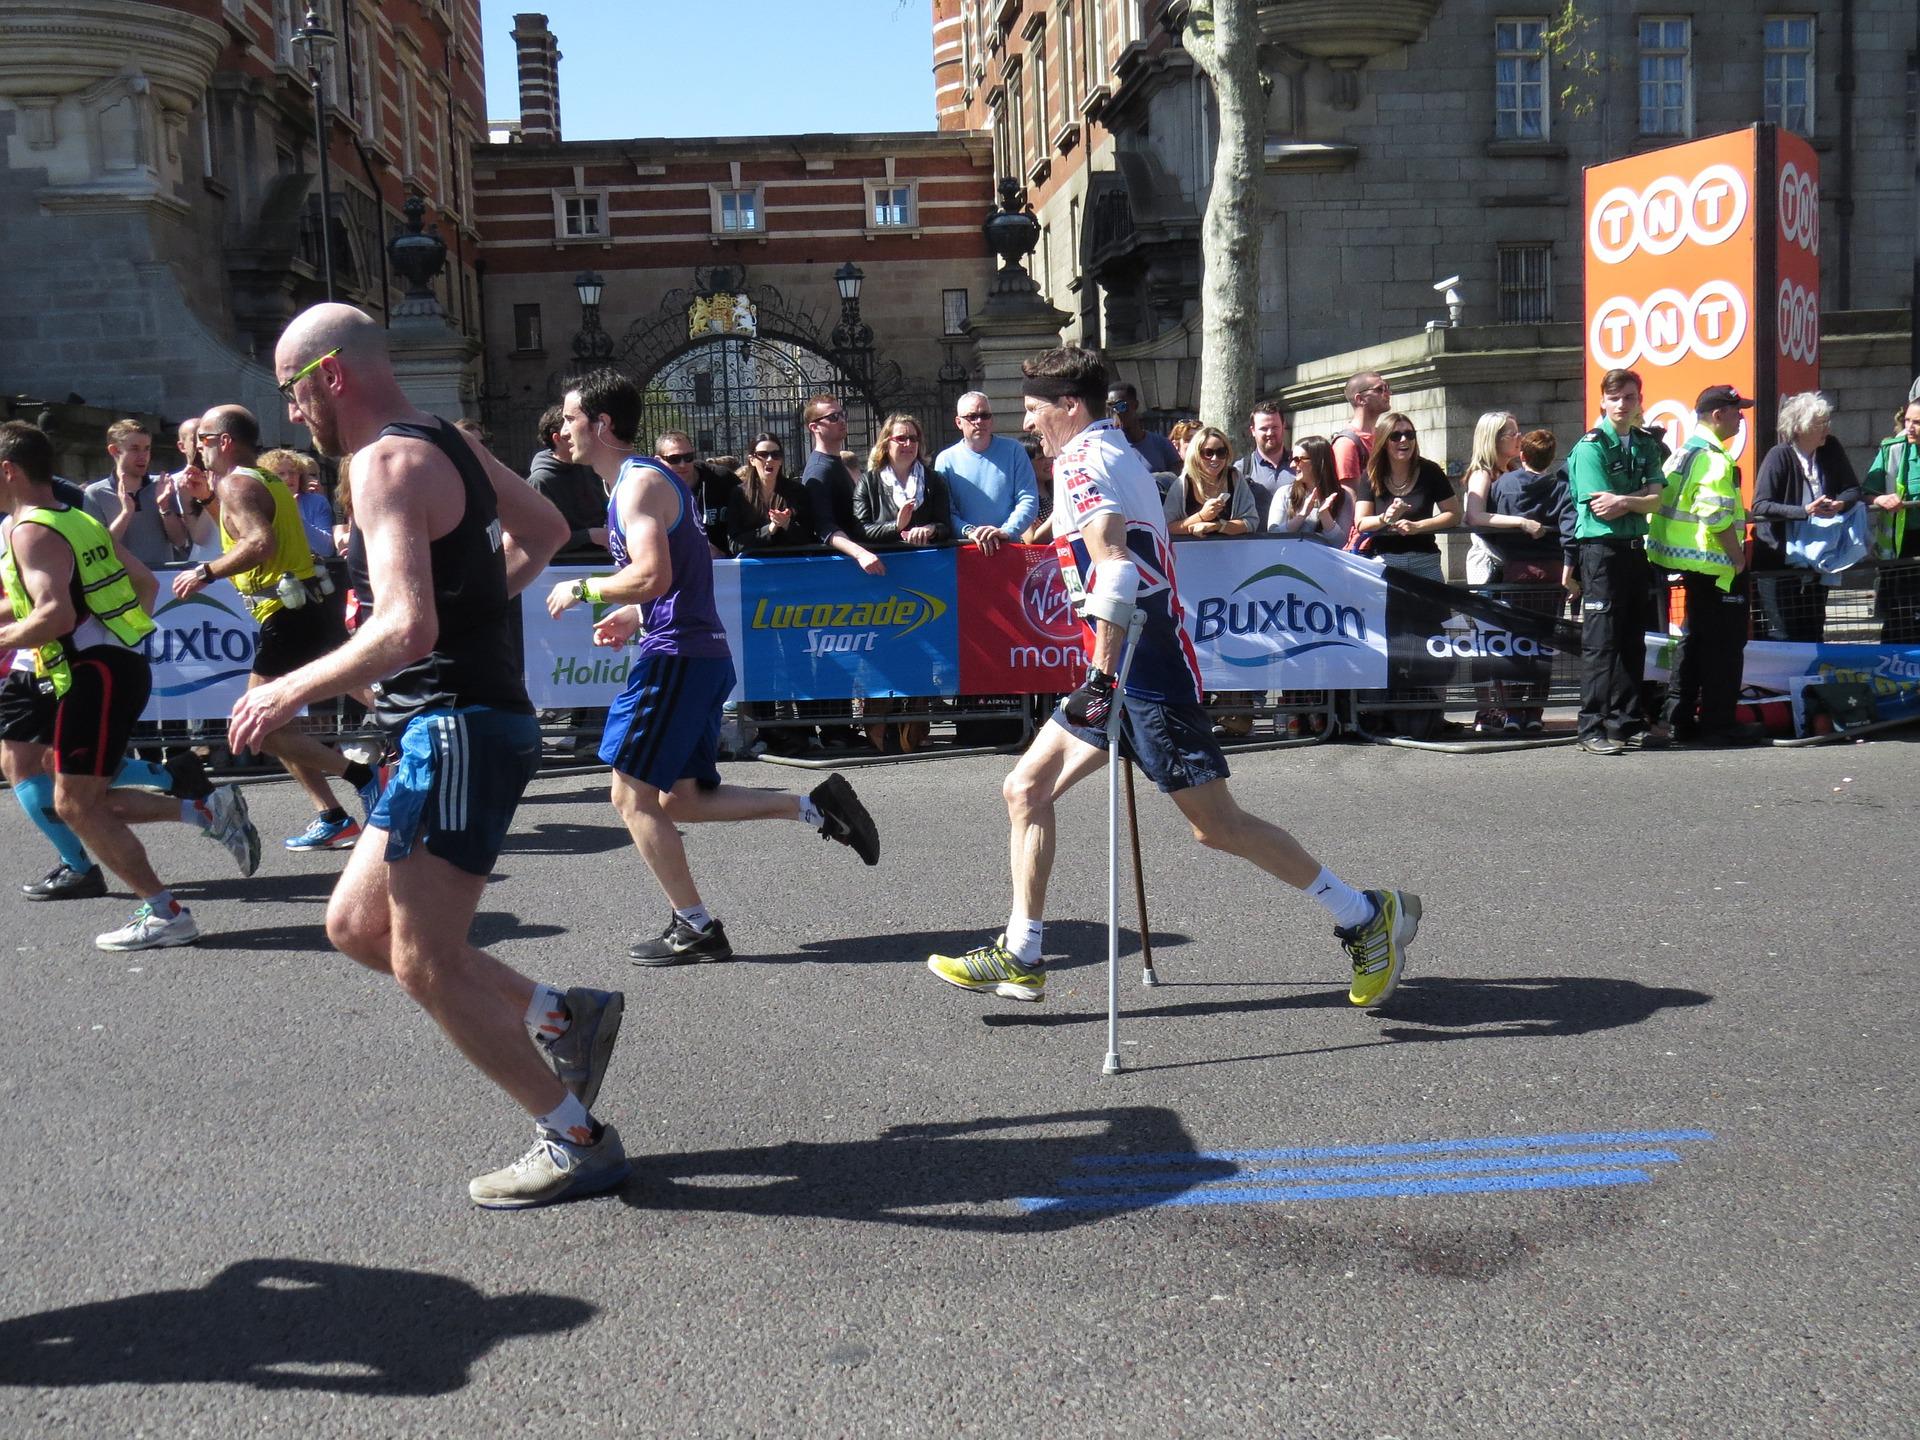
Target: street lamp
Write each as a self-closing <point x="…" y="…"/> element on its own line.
<point x="591" y="343"/>
<point x="318" y="42"/>
<point x="852" y="337"/>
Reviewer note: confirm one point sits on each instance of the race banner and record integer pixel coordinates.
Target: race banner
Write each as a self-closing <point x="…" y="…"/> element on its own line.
<point x="566" y="670"/>
<point x="1284" y="614"/>
<point x="201" y="653"/>
<point x="1440" y="634"/>
<point x="818" y="628"/>
<point x="1019" y="634"/>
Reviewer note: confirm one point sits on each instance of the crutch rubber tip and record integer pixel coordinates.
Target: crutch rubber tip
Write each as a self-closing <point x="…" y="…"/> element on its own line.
<point x="1112" y="1067"/>
<point x="1147" y="977"/>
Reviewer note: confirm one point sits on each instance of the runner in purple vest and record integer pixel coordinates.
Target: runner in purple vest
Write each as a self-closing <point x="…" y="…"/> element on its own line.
<point x="663" y="732"/>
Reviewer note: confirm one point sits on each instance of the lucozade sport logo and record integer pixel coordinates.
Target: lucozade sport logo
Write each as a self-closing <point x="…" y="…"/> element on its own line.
<point x="848" y="627"/>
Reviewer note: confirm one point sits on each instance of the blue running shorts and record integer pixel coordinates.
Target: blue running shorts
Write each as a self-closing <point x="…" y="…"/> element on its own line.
<point x="1172" y="744"/>
<point x="665" y="726"/>
<point x="459" y="780"/>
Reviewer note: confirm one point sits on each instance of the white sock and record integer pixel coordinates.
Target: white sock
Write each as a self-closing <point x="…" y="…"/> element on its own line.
<point x="547" y="1018"/>
<point x="195" y="812"/>
<point x="1348" y="907"/>
<point x="809" y="812"/>
<point x="698" y="917"/>
<point x="1023" y="938"/>
<point x="568" y="1121"/>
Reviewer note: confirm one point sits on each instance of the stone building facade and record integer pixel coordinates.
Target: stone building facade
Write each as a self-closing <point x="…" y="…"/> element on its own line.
<point x="718" y="261"/>
<point x="1414" y="140"/>
<point x="159" y="204"/>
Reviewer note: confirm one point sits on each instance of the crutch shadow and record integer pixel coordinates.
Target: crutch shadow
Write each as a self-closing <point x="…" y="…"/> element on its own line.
<point x="934" y="1176"/>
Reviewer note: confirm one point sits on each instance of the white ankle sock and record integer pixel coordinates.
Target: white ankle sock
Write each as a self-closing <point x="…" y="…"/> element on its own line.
<point x="809" y="812"/>
<point x="1023" y="938"/>
<point x="546" y="1018"/>
<point x="568" y="1121"/>
<point x="1348" y="907"/>
<point x="698" y="917"/>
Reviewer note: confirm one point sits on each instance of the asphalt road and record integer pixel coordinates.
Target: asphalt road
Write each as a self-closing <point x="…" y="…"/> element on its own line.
<point x="867" y="1204"/>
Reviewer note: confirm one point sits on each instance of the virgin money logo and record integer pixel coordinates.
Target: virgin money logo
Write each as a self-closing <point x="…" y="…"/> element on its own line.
<point x="1043" y="599"/>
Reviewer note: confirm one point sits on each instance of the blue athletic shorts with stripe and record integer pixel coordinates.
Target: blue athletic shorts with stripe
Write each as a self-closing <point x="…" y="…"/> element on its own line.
<point x="1172" y="744"/>
<point x="459" y="780"/>
<point x="665" y="726"/>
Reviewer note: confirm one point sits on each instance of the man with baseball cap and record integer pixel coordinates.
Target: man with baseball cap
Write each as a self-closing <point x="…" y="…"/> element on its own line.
<point x="1700" y="530"/>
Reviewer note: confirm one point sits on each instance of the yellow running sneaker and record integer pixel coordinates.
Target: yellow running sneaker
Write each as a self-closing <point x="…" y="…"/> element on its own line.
<point x="991" y="967"/>
<point x="1379" y="947"/>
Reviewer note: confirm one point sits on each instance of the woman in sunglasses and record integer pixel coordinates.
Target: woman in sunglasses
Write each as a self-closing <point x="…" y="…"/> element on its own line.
<point x="1406" y="501"/>
<point x="1210" y="499"/>
<point x="1316" y="506"/>
<point x="900" y="498"/>
<point x="767" y="511"/>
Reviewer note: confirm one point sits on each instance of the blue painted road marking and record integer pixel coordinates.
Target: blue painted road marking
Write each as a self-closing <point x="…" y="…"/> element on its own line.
<point x="1557" y="1162"/>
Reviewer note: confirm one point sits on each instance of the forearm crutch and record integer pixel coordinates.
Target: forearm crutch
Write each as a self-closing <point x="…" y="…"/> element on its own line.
<point x="1128" y="646"/>
<point x="1147" y="974"/>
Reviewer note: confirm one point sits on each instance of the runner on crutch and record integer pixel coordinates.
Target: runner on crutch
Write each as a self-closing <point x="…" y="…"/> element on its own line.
<point x="1115" y="556"/>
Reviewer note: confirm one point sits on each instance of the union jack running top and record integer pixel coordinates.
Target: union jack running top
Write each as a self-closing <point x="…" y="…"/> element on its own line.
<point x="1099" y="473"/>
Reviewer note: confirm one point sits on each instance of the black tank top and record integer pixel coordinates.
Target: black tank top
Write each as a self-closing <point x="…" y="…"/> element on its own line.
<point x="477" y="658"/>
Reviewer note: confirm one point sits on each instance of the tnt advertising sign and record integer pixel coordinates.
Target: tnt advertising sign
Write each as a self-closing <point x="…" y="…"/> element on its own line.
<point x="1702" y="268"/>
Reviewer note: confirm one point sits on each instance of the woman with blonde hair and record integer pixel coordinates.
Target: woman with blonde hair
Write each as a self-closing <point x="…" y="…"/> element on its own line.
<point x="1209" y="498"/>
<point x="1496" y="450"/>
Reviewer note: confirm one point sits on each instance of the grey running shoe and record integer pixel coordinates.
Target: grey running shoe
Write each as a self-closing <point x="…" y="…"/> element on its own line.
<point x="232" y="827"/>
<point x="553" y="1170"/>
<point x="1378" y="948"/>
<point x="845" y="819"/>
<point x="148" y="931"/>
<point x="63" y="882"/>
<point x="681" y="944"/>
<point x="579" y="1057"/>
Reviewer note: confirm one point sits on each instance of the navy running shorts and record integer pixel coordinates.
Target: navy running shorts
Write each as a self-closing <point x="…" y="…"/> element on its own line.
<point x="459" y="780"/>
<point x="1172" y="744"/>
<point x="665" y="726"/>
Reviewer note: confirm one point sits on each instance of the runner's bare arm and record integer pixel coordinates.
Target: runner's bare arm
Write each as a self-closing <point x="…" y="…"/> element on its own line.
<point x="46" y="570"/>
<point x="648" y="507"/>
<point x="247" y="506"/>
<point x="532" y="529"/>
<point x="146" y="585"/>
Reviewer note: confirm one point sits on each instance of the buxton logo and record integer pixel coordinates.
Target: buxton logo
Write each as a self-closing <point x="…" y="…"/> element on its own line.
<point x="1043" y="600"/>
<point x="1290" y="625"/>
<point x="190" y="650"/>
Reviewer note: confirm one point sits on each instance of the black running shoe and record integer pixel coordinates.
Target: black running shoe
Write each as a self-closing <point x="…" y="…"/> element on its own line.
<point x="190" y="780"/>
<point x="681" y="944"/>
<point x="845" y="819"/>
<point x="63" y="882"/>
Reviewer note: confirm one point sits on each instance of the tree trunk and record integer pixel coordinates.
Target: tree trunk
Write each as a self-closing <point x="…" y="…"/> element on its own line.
<point x="1224" y="41"/>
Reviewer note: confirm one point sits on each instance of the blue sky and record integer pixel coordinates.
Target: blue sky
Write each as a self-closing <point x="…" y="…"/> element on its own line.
<point x="635" y="68"/>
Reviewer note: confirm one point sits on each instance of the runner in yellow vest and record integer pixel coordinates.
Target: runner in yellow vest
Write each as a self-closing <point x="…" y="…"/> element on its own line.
<point x="1893" y="480"/>
<point x="78" y="603"/>
<point x="264" y="552"/>
<point x="1700" y="530"/>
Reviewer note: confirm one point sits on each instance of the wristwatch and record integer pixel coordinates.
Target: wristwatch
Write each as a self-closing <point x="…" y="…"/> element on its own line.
<point x="579" y="590"/>
<point x="205" y="572"/>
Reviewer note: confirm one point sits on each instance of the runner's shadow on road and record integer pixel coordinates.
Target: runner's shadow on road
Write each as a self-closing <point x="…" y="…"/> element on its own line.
<point x="1076" y="942"/>
<point x="559" y="838"/>
<point x="490" y="927"/>
<point x="931" y="1176"/>
<point x="284" y="1325"/>
<point x="283" y="889"/>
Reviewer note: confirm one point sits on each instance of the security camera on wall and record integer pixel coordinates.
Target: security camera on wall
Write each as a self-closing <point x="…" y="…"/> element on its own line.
<point x="1455" y="303"/>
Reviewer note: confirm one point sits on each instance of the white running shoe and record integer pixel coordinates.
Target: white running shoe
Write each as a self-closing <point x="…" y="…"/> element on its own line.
<point x="148" y="931"/>
<point x="232" y="827"/>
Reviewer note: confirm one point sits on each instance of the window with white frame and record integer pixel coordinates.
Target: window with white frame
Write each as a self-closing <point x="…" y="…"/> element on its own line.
<point x="1095" y="30"/>
<point x="738" y="211"/>
<point x="406" y="98"/>
<point x="890" y="206"/>
<point x="1065" y="26"/>
<point x="1526" y="284"/>
<point x="1016" y="126"/>
<point x="953" y="312"/>
<point x="1520" y="79"/>
<point x="1039" y="56"/>
<point x="967" y="45"/>
<point x="1002" y="150"/>
<point x="581" y="214"/>
<point x="1788" y="87"/>
<point x="1666" y="76"/>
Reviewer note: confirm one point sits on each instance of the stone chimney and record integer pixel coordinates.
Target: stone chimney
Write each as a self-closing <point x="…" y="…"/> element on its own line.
<point x="539" y="58"/>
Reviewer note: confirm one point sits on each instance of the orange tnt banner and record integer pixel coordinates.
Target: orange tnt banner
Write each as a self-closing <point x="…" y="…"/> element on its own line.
<point x="1702" y="268"/>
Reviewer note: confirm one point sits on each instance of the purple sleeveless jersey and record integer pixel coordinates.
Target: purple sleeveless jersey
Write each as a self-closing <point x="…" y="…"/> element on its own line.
<point x="682" y="620"/>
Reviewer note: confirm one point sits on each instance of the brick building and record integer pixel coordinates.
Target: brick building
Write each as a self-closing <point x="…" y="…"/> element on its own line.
<point x="718" y="260"/>
<point x="1413" y="140"/>
<point x="159" y="202"/>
